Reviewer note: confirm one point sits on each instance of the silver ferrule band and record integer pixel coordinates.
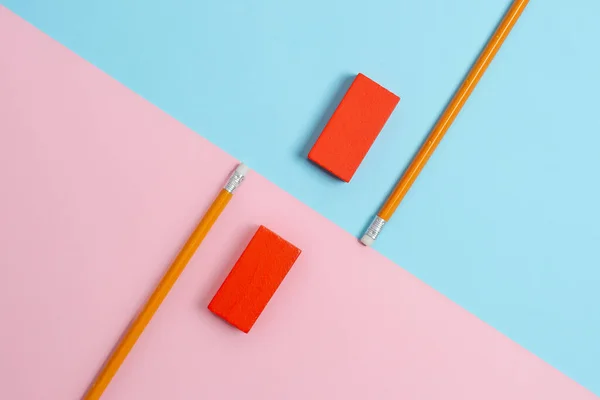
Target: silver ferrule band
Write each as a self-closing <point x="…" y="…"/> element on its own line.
<point x="375" y="227"/>
<point x="235" y="180"/>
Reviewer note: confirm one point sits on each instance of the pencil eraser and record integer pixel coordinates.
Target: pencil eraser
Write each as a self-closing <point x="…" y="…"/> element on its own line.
<point x="254" y="279"/>
<point x="353" y="127"/>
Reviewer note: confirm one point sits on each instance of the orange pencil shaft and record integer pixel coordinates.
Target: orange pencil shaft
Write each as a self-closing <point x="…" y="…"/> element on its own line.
<point x="448" y="117"/>
<point x="136" y="328"/>
<point x="453" y="108"/>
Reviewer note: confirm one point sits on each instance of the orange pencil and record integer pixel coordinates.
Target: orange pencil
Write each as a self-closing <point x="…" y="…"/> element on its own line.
<point x="446" y="119"/>
<point x="141" y="321"/>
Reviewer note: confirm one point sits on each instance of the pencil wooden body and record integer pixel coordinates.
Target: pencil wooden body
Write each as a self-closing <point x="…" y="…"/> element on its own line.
<point x="136" y="328"/>
<point x="452" y="110"/>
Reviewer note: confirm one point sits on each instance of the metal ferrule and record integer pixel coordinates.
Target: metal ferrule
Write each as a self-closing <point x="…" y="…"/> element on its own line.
<point x="234" y="181"/>
<point x="375" y="227"/>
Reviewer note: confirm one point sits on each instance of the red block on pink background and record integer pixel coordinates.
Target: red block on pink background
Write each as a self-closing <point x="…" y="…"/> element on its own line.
<point x="254" y="279"/>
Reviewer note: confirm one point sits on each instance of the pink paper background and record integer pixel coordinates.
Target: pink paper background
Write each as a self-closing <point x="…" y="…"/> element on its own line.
<point x="100" y="189"/>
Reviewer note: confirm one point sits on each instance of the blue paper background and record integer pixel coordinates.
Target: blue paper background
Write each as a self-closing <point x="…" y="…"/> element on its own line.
<point x="504" y="219"/>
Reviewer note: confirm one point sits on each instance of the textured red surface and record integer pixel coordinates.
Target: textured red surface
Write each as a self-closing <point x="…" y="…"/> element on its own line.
<point x="353" y="127"/>
<point x="254" y="279"/>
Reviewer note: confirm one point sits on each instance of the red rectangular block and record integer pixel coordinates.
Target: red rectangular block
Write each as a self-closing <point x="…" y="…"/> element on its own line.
<point x="353" y="127"/>
<point x="254" y="279"/>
